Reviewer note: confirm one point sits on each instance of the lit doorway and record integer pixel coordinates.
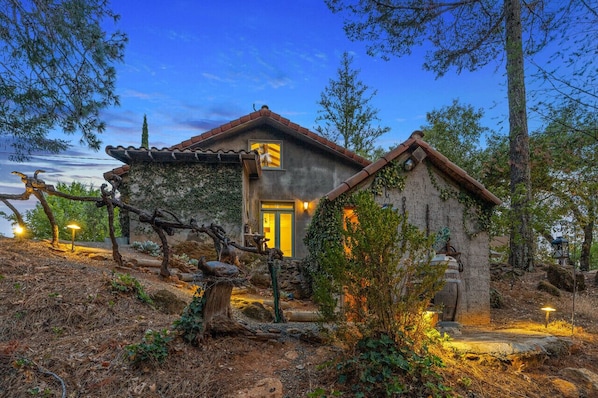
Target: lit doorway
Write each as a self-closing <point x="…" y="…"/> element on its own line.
<point x="277" y="225"/>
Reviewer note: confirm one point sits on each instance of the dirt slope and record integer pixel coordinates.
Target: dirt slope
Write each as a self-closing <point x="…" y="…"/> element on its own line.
<point x="61" y="322"/>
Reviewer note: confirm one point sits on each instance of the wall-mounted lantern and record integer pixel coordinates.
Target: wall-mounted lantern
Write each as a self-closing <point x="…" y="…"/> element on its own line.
<point x="305" y="206"/>
<point x="560" y="246"/>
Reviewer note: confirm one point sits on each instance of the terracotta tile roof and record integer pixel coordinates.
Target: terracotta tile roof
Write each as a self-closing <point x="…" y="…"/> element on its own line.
<point x="438" y="159"/>
<point x="266" y="116"/>
<point x="130" y="154"/>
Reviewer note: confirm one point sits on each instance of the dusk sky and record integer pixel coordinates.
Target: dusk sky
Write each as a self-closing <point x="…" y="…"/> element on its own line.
<point x="194" y="65"/>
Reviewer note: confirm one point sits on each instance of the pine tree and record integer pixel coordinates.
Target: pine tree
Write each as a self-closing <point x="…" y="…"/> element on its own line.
<point x="346" y="114"/>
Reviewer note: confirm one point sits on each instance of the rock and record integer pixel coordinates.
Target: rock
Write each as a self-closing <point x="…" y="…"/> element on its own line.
<point x="584" y="379"/>
<point x="269" y="387"/>
<point x="168" y="302"/>
<point x="549" y="288"/>
<point x="495" y="299"/>
<point x="256" y="310"/>
<point x="217" y="268"/>
<point x="566" y="388"/>
<point x="562" y="278"/>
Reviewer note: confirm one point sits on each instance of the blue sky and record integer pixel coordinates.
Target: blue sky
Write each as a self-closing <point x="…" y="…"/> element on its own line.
<point x="194" y="65"/>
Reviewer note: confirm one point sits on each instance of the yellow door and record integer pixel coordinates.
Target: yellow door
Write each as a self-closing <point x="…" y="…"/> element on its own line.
<point x="277" y="226"/>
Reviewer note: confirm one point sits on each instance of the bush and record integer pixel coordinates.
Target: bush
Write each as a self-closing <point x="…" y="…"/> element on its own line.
<point x="153" y="348"/>
<point x="380" y="368"/>
<point x="125" y="283"/>
<point x="93" y="220"/>
<point x="148" y="247"/>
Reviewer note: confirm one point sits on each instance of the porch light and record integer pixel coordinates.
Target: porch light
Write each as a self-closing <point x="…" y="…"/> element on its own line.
<point x="560" y="246"/>
<point x="548" y="310"/>
<point x="305" y="206"/>
<point x="73" y="228"/>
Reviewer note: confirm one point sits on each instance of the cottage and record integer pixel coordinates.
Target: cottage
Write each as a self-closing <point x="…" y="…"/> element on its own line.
<point x="437" y="195"/>
<point x="262" y="173"/>
<point x="259" y="173"/>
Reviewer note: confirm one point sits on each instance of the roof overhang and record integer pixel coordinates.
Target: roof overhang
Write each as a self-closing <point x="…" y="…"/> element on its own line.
<point x="130" y="155"/>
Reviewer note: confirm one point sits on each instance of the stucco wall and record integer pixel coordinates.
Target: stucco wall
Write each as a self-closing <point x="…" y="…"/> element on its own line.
<point x="207" y="193"/>
<point x="422" y="201"/>
<point x="308" y="173"/>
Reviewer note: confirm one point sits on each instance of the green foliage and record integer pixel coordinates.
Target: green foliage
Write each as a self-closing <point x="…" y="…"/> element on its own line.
<point x="477" y="215"/>
<point x="324" y="241"/>
<point x="147" y="247"/>
<point x="93" y="220"/>
<point x="190" y="190"/>
<point x="144" y="133"/>
<point x="153" y="348"/>
<point x="125" y="283"/>
<point x="346" y="113"/>
<point x="56" y="72"/>
<point x="381" y="368"/>
<point x="455" y="131"/>
<point x="391" y="176"/>
<point x="379" y="263"/>
<point x="190" y="324"/>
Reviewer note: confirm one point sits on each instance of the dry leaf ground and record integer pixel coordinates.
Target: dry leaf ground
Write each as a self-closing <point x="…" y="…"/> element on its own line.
<point x="61" y="322"/>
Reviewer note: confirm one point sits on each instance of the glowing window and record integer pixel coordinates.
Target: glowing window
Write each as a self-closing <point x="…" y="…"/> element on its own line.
<point x="269" y="154"/>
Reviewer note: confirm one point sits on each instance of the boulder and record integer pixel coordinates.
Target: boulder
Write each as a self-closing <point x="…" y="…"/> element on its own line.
<point x="256" y="310"/>
<point x="549" y="288"/>
<point x="584" y="379"/>
<point x="566" y="388"/>
<point x="562" y="278"/>
<point x="496" y="300"/>
<point x="168" y="302"/>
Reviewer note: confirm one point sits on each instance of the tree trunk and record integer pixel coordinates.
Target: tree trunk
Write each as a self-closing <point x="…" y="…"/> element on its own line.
<point x="50" y="215"/>
<point x="584" y="259"/>
<point x="521" y="235"/>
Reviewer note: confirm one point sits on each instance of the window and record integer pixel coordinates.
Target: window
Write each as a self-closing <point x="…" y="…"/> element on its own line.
<point x="277" y="225"/>
<point x="269" y="154"/>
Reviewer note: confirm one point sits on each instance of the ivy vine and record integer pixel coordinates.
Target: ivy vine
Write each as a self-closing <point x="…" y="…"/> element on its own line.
<point x="188" y="189"/>
<point x="390" y="176"/>
<point x="473" y="208"/>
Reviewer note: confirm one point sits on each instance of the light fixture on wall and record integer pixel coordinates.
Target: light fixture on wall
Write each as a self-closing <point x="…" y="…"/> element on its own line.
<point x="305" y="206"/>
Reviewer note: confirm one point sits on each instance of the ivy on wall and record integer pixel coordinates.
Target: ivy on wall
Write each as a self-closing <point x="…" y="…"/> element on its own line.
<point x="391" y="176"/>
<point x="212" y="190"/>
<point x="473" y="209"/>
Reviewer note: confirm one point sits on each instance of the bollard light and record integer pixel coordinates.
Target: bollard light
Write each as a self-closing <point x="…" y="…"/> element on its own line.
<point x="73" y="228"/>
<point x="18" y="230"/>
<point x="548" y="310"/>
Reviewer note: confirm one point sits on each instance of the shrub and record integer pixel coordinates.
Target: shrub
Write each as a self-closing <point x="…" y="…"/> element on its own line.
<point x="153" y="348"/>
<point x="191" y="325"/>
<point x="148" y="247"/>
<point x="380" y="368"/>
<point x="125" y="283"/>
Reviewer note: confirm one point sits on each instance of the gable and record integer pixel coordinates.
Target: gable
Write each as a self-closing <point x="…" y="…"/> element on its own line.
<point x="412" y="152"/>
<point x="234" y="135"/>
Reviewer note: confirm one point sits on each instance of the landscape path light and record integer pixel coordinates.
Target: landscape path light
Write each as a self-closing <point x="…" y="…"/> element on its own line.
<point x="73" y="228"/>
<point x="18" y="230"/>
<point x="548" y="310"/>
